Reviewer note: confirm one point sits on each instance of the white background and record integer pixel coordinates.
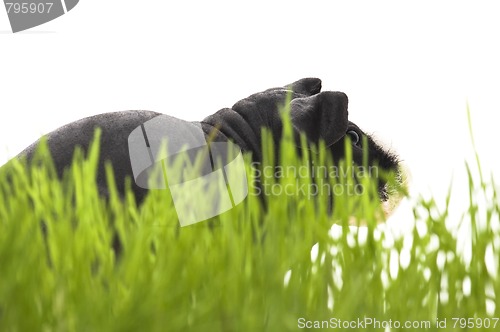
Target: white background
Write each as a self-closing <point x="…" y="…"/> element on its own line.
<point x="409" y="69"/>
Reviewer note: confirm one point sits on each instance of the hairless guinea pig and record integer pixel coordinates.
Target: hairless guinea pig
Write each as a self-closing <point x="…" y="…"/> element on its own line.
<point x="319" y="115"/>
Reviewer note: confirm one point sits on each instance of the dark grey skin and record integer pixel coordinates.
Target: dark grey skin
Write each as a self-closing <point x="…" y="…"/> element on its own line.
<point x="320" y="115"/>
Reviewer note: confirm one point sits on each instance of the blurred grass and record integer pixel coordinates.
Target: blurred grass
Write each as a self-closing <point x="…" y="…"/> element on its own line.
<point x="249" y="269"/>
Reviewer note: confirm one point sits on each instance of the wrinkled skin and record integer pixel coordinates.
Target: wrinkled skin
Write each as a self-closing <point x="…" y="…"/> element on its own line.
<point x="320" y="115"/>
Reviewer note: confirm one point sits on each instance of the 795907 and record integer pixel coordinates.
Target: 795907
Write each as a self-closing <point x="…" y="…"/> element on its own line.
<point x="27" y="7"/>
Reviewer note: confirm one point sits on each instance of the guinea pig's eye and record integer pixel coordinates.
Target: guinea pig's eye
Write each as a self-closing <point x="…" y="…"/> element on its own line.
<point x="355" y="139"/>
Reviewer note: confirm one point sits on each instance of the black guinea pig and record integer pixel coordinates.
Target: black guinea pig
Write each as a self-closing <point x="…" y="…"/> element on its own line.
<point x="319" y="115"/>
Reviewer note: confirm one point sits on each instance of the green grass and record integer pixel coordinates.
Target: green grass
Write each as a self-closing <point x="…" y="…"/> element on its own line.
<point x="249" y="269"/>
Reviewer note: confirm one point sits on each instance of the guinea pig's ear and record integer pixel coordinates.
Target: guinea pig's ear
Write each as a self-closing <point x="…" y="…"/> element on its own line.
<point x="321" y="116"/>
<point x="306" y="86"/>
<point x="302" y="88"/>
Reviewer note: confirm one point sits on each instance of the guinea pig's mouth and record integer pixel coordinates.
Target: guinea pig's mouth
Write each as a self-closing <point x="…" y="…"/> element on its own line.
<point x="395" y="194"/>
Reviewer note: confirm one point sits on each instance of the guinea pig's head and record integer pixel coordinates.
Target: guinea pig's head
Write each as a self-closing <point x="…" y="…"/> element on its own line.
<point x="324" y="116"/>
<point x="381" y="162"/>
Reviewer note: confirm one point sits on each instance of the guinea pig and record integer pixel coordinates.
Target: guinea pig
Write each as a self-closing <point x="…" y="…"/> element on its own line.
<point x="318" y="115"/>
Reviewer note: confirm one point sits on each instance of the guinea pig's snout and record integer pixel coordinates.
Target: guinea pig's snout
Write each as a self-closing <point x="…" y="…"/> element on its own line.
<point x="391" y="192"/>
